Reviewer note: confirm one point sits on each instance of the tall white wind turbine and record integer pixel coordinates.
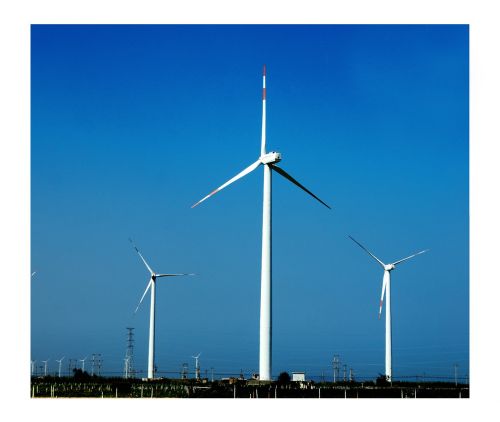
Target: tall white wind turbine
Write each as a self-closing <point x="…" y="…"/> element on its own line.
<point x="60" y="361"/>
<point x="151" y="285"/>
<point x="386" y="288"/>
<point x="268" y="161"/>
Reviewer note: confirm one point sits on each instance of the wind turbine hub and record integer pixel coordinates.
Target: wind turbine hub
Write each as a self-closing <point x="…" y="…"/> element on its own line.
<point x="270" y="158"/>
<point x="389" y="267"/>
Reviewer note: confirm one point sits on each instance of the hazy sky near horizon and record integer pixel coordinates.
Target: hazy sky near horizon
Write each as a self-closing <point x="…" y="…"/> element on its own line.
<point x="131" y="125"/>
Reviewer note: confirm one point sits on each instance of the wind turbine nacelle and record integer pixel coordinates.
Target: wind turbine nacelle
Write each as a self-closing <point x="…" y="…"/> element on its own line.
<point x="389" y="267"/>
<point x="270" y="158"/>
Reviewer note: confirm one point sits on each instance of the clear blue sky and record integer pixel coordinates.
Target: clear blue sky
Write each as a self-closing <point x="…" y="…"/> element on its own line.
<point x="131" y="125"/>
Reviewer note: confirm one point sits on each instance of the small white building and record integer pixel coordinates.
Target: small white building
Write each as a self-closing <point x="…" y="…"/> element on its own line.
<point x="298" y="376"/>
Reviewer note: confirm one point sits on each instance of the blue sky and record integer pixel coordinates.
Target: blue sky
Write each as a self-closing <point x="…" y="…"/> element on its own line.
<point x="131" y="125"/>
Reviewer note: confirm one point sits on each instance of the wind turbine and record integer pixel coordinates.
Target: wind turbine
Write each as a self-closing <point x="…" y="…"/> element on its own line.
<point x="60" y="361"/>
<point x="386" y="287"/>
<point x="268" y="161"/>
<point x="151" y="285"/>
<point x="83" y="363"/>
<point x="33" y="366"/>
<point x="45" y="362"/>
<point x="197" y="368"/>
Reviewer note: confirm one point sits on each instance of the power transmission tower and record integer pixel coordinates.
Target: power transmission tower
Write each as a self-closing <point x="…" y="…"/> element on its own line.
<point x="345" y="369"/>
<point x="129" y="371"/>
<point x="184" y="371"/>
<point x="99" y="364"/>
<point x="93" y="364"/>
<point x="336" y="364"/>
<point x="351" y="375"/>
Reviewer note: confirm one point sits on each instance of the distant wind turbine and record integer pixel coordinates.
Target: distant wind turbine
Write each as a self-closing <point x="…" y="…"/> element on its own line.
<point x="60" y="361"/>
<point x="268" y="161"/>
<point x="45" y="362"/>
<point x="151" y="285"/>
<point x="386" y="287"/>
<point x="197" y="368"/>
<point x="83" y="363"/>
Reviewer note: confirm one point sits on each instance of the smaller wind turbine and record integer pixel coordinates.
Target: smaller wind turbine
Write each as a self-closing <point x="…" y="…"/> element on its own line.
<point x="33" y="366"/>
<point x="151" y="285"/>
<point x="197" y="367"/>
<point x="45" y="362"/>
<point x="386" y="287"/>
<point x="60" y="361"/>
<point x="83" y="363"/>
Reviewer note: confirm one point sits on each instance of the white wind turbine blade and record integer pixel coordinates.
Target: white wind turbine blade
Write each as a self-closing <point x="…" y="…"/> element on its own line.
<point x="238" y="176"/>
<point x="366" y="250"/>
<point x="144" y="294"/>
<point x="287" y="176"/>
<point x="263" y="139"/>
<point x="384" y="285"/>
<point x="172" y="275"/>
<point x="143" y="260"/>
<point x="408" y="257"/>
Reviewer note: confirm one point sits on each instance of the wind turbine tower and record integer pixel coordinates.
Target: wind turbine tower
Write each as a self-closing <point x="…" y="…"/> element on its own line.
<point x="386" y="287"/>
<point x="268" y="161"/>
<point x="151" y="285"/>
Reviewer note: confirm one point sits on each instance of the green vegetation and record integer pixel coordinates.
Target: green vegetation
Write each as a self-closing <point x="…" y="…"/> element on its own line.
<point x="84" y="385"/>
